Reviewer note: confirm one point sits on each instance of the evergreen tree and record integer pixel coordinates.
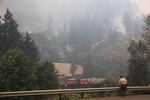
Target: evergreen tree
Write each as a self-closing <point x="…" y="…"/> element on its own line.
<point x="146" y="34"/>
<point x="19" y="60"/>
<point x="17" y="71"/>
<point x="46" y="76"/>
<point x="146" y="37"/>
<point x="139" y="57"/>
<point x="10" y="36"/>
<point x="29" y="47"/>
<point x="138" y="67"/>
<point x="20" y="68"/>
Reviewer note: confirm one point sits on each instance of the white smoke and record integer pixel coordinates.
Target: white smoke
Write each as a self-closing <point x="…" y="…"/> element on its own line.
<point x="34" y="14"/>
<point x="143" y="6"/>
<point x="118" y="24"/>
<point x="2" y="7"/>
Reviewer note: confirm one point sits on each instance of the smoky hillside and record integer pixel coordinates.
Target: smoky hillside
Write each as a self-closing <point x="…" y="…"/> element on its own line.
<point x="91" y="33"/>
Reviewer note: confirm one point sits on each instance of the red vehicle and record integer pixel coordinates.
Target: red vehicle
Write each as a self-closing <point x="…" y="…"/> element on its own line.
<point x="75" y="83"/>
<point x="71" y="81"/>
<point x="84" y="82"/>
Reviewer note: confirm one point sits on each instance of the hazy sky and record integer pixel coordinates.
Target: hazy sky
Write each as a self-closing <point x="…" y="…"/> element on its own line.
<point x="34" y="14"/>
<point x="143" y="6"/>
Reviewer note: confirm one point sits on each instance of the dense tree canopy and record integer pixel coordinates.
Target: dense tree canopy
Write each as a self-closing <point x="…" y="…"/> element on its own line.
<point x="11" y="37"/>
<point x="20" y="66"/>
<point x="139" y="57"/>
<point x="138" y="65"/>
<point x="47" y="76"/>
<point x="29" y="47"/>
<point x="17" y="71"/>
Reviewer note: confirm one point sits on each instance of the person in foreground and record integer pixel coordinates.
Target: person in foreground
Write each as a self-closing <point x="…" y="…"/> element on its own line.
<point x="123" y="86"/>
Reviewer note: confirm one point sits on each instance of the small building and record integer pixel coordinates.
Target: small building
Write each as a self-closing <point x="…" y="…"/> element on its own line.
<point x="68" y="73"/>
<point x="63" y="69"/>
<point x="68" y="70"/>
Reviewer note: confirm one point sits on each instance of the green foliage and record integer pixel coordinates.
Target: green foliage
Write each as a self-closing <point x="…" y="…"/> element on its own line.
<point x="17" y="71"/>
<point x="73" y="96"/>
<point x="20" y="72"/>
<point x="20" y="68"/>
<point x="11" y="37"/>
<point x="29" y="47"/>
<point x="47" y="76"/>
<point x="139" y="57"/>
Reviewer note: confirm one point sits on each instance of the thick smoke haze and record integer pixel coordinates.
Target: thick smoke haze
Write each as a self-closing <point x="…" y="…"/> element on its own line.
<point x="2" y="7"/>
<point x="34" y="14"/>
<point x="92" y="33"/>
<point x="143" y="6"/>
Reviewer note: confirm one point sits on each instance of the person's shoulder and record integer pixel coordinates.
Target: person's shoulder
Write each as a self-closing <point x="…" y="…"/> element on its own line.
<point x="125" y="78"/>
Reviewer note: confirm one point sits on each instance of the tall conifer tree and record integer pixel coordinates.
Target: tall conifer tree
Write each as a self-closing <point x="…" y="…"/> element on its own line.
<point x="139" y="57"/>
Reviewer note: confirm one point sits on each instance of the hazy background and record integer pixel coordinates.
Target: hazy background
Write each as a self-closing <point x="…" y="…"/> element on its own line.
<point x="34" y="14"/>
<point x="92" y="33"/>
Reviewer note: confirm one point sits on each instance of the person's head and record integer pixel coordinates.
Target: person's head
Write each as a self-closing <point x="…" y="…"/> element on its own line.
<point x="121" y="76"/>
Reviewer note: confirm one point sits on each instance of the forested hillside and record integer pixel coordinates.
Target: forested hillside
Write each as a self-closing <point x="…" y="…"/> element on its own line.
<point x="94" y="34"/>
<point x="97" y="45"/>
